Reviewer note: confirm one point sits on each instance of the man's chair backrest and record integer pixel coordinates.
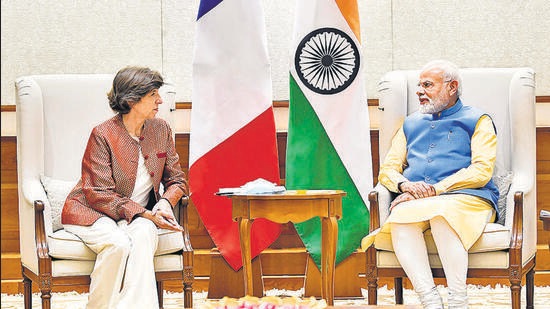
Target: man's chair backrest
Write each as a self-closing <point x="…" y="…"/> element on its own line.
<point x="508" y="96"/>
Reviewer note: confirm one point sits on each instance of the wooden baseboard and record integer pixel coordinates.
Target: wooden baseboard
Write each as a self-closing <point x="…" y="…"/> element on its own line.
<point x="11" y="266"/>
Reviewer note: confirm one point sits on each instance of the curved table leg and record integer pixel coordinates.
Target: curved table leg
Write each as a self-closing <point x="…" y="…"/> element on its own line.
<point x="328" y="258"/>
<point x="244" y="232"/>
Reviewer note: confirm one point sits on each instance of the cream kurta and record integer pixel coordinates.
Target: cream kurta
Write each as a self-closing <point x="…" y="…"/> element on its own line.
<point x="466" y="214"/>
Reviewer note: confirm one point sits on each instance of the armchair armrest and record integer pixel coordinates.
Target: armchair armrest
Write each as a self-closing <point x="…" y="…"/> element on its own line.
<point x="32" y="191"/>
<point x="42" y="249"/>
<point x="516" y="241"/>
<point x="182" y="217"/>
<point x="521" y="216"/>
<point x="32" y="195"/>
<point x="187" y="251"/>
<point x="380" y="199"/>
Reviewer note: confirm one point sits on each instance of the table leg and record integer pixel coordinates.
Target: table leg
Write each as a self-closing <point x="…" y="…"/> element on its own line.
<point x="244" y="233"/>
<point x="328" y="258"/>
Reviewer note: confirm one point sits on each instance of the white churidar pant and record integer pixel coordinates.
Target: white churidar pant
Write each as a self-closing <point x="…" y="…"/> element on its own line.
<point x="410" y="249"/>
<point x="124" y="260"/>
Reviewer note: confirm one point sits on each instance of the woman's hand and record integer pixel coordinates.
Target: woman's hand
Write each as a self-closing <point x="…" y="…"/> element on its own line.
<point x="418" y="189"/>
<point x="403" y="197"/>
<point x="163" y="216"/>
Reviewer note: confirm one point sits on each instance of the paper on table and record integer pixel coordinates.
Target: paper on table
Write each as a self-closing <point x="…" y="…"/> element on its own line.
<point x="258" y="186"/>
<point x="227" y="191"/>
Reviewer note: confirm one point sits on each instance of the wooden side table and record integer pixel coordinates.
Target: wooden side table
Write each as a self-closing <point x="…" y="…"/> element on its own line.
<point x="295" y="206"/>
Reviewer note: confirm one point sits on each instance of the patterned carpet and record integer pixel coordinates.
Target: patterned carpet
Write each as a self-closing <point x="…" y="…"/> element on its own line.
<point x="480" y="297"/>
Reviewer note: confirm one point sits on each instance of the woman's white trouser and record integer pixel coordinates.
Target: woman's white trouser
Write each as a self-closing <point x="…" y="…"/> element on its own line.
<point x="410" y="248"/>
<point x="123" y="274"/>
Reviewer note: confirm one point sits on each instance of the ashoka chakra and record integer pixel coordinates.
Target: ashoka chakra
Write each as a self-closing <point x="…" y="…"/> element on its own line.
<point x="327" y="60"/>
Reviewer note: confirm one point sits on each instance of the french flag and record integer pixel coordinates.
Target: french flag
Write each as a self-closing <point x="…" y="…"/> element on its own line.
<point x="233" y="137"/>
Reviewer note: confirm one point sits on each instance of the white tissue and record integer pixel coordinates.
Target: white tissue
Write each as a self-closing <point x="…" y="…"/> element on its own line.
<point x="261" y="185"/>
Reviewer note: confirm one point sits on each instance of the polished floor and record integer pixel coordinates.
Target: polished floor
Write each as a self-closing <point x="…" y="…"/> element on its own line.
<point x="480" y="297"/>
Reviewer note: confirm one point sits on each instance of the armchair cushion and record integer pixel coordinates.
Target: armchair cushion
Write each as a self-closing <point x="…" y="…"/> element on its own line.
<point x="495" y="237"/>
<point x="494" y="259"/>
<point x="169" y="242"/>
<point x="56" y="191"/>
<point x="64" y="245"/>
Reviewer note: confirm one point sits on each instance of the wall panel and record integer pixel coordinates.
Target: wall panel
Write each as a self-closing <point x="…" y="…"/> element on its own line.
<point x="200" y="238"/>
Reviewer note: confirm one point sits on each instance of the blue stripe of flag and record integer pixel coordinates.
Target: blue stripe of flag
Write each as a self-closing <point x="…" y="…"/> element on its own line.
<point x="206" y="6"/>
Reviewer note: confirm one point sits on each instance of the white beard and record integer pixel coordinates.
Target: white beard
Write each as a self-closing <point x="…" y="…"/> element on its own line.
<point x="433" y="106"/>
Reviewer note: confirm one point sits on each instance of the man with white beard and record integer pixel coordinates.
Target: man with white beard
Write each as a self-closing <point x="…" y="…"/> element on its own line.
<point x="440" y="164"/>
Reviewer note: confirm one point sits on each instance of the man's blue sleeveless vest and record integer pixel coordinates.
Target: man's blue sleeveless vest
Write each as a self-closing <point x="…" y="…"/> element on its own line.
<point x="439" y="145"/>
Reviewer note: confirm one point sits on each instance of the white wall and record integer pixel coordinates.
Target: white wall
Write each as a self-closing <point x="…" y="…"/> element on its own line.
<point x="71" y="36"/>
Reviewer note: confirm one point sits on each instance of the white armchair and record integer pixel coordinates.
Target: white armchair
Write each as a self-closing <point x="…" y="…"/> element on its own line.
<point x="55" y="115"/>
<point x="506" y="249"/>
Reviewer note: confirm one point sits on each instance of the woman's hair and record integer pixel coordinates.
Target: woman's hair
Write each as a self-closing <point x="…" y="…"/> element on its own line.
<point x="450" y="72"/>
<point x="130" y="85"/>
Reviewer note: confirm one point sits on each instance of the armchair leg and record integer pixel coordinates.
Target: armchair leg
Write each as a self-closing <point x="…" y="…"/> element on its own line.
<point x="45" y="287"/>
<point x="372" y="284"/>
<point x="160" y="294"/>
<point x="27" y="292"/>
<point x="188" y="295"/>
<point x="188" y="278"/>
<point x="530" y="286"/>
<point x="371" y="274"/>
<point x="46" y="299"/>
<point x="398" y="285"/>
<point x="515" y="290"/>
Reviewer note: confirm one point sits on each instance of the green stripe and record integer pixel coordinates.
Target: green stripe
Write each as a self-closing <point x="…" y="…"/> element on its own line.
<point x="313" y="163"/>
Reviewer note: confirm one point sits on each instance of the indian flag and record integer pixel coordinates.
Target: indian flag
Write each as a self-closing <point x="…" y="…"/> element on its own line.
<point x="328" y="143"/>
<point x="233" y="139"/>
